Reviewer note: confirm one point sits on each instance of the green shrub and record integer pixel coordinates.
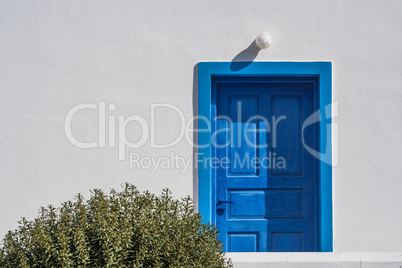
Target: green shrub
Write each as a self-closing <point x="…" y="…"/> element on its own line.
<point x="122" y="229"/>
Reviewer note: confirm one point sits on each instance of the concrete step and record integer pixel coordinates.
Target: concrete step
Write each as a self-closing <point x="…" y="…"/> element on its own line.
<point x="317" y="259"/>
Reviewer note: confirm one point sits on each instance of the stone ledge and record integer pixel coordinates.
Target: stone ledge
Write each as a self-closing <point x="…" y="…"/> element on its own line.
<point x="317" y="259"/>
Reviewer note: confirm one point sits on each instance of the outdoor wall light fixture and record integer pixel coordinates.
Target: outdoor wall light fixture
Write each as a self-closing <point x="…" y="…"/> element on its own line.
<point x="263" y="40"/>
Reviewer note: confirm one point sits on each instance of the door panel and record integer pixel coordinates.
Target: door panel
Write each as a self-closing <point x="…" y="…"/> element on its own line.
<point x="288" y="144"/>
<point x="269" y="182"/>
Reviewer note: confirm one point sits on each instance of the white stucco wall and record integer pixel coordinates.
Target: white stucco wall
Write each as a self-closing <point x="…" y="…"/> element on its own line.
<point x="57" y="54"/>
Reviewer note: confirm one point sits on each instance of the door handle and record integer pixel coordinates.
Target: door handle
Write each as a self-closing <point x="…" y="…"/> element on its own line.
<point x="224" y="202"/>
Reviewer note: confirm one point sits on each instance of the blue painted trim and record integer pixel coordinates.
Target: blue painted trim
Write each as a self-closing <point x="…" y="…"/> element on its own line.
<point x="321" y="69"/>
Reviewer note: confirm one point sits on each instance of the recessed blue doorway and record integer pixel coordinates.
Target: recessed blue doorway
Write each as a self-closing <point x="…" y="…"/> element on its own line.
<point x="271" y="206"/>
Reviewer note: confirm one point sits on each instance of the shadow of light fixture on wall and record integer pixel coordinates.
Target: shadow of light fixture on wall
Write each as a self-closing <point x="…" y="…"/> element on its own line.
<point x="247" y="56"/>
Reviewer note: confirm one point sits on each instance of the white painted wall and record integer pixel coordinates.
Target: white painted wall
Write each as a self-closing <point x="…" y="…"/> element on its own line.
<point x="57" y="54"/>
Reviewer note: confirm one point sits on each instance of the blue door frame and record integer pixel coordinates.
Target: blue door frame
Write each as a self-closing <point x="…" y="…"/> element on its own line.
<point x="322" y="70"/>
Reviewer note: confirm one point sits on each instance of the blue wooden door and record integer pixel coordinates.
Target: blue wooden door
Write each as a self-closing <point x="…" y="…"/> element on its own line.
<point x="265" y="181"/>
